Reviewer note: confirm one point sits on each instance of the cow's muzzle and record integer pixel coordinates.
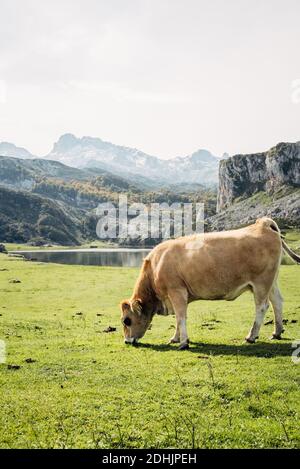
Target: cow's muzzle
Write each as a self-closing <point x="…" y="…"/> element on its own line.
<point x="131" y="340"/>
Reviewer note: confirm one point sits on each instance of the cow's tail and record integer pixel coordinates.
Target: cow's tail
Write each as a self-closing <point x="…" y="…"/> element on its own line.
<point x="273" y="225"/>
<point x="290" y="253"/>
<point x="268" y="222"/>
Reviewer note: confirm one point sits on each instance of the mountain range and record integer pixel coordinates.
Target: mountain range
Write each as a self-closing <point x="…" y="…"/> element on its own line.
<point x="44" y="201"/>
<point x="201" y="167"/>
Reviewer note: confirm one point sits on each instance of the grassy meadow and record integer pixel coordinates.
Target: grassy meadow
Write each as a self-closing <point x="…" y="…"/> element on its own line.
<point x="29" y="247"/>
<point x="68" y="384"/>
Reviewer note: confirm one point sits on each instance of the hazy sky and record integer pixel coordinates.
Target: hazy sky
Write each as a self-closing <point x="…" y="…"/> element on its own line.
<point x="166" y="76"/>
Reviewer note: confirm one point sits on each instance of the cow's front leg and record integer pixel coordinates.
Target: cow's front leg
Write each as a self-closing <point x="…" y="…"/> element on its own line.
<point x="184" y="340"/>
<point x="178" y="299"/>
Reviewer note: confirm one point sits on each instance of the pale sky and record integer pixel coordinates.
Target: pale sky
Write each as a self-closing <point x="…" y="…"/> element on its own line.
<point x="165" y="76"/>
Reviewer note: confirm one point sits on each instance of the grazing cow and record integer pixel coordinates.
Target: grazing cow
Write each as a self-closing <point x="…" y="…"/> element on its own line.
<point x="210" y="266"/>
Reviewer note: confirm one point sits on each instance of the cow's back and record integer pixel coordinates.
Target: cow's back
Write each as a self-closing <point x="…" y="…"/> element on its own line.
<point x="217" y="265"/>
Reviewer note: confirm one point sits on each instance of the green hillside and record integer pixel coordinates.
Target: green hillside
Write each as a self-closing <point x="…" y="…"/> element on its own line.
<point x="44" y="201"/>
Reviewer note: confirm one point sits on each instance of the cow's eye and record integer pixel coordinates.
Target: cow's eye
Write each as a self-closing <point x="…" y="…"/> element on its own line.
<point x="127" y="321"/>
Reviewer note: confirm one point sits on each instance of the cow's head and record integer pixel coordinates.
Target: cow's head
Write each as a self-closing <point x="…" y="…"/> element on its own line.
<point x="136" y="318"/>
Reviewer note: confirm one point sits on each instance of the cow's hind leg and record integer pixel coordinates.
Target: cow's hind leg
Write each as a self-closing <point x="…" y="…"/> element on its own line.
<point x="178" y="300"/>
<point x="261" y="306"/>
<point x="277" y="301"/>
<point x="176" y="337"/>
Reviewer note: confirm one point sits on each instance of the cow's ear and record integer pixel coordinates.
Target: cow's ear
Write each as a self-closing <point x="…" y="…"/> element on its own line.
<point x="125" y="306"/>
<point x="137" y="306"/>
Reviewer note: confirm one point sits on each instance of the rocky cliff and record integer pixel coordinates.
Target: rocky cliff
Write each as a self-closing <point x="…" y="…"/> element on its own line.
<point x="262" y="184"/>
<point x="242" y="176"/>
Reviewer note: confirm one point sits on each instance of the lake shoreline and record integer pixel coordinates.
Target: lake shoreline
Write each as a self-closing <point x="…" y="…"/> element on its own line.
<point x="114" y="257"/>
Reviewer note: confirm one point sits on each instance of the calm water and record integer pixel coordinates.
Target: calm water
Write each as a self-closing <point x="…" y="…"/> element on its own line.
<point x="106" y="257"/>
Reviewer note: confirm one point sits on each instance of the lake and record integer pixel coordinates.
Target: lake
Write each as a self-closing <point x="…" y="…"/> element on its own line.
<point x="118" y="257"/>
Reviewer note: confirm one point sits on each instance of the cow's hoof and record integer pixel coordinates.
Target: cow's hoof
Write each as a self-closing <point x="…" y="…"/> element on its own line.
<point x="250" y="341"/>
<point x="173" y="341"/>
<point x="184" y="346"/>
<point x="276" y="337"/>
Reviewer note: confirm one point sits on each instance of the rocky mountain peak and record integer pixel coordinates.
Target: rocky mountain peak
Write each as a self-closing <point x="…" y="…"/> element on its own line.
<point x="241" y="176"/>
<point x="9" y="149"/>
<point x="65" y="143"/>
<point x="90" y="152"/>
<point x="202" y="155"/>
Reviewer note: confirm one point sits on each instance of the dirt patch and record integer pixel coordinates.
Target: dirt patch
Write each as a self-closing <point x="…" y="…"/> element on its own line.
<point x="13" y="367"/>
<point x="110" y="329"/>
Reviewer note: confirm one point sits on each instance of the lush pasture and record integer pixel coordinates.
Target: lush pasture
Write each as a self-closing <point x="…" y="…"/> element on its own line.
<point x="29" y="247"/>
<point x="82" y="387"/>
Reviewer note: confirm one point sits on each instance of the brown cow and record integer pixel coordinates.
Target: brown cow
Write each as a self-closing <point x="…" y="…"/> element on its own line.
<point x="210" y="266"/>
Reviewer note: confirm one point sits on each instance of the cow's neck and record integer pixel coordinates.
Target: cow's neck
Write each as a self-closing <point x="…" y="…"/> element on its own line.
<point x="143" y="289"/>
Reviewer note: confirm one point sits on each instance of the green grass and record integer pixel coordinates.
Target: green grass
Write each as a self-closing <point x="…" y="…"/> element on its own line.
<point x="87" y="389"/>
<point x="258" y="198"/>
<point x="292" y="237"/>
<point x="28" y="247"/>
